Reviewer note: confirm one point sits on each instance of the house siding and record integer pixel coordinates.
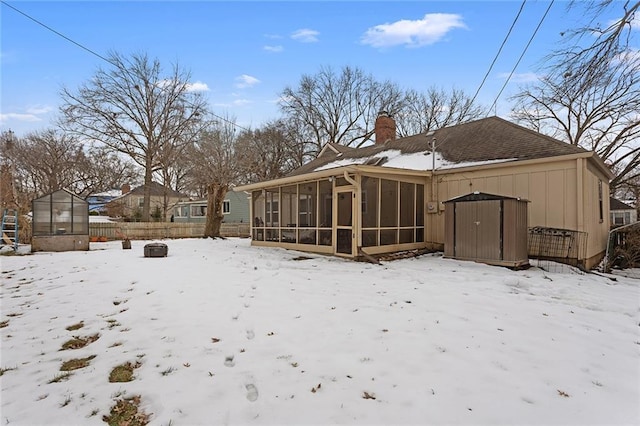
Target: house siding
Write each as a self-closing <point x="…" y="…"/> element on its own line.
<point x="551" y="189"/>
<point x="238" y="207"/>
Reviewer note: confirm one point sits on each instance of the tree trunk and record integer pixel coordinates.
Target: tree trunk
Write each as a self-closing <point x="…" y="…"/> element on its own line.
<point x="146" y="206"/>
<point x="215" y="199"/>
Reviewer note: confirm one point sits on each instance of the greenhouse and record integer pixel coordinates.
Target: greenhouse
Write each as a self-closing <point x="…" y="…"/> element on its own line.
<point x="60" y="222"/>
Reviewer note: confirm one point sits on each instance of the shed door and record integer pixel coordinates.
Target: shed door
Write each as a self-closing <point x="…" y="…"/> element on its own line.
<point x="478" y="227"/>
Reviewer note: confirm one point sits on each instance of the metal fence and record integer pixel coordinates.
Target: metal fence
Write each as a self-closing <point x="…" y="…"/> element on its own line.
<point x="160" y="230"/>
<point x="559" y="245"/>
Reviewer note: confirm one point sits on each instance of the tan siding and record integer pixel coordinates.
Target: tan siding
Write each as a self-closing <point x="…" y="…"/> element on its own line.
<point x="491" y="185"/>
<point x="570" y="200"/>
<point x="522" y="186"/>
<point x="555" y="213"/>
<point x="506" y="185"/>
<point x="538" y="198"/>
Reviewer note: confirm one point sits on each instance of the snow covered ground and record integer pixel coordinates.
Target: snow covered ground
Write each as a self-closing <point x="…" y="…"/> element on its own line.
<point x="226" y="333"/>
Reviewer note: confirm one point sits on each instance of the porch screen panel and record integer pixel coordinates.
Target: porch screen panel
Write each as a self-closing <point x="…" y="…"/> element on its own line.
<point x="407" y="198"/>
<point x="369" y="202"/>
<point x="307" y="204"/>
<point x="419" y="205"/>
<point x="258" y="200"/>
<point x="325" y="204"/>
<point x="272" y="214"/>
<point x="288" y="206"/>
<point x="388" y="203"/>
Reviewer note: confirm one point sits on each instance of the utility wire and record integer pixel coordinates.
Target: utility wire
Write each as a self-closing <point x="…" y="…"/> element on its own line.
<point x="499" y="50"/>
<point x="97" y="54"/>
<point x="522" y="55"/>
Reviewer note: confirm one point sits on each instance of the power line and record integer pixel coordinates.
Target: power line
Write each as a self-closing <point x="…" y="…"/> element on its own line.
<point x="522" y="55"/>
<point x="98" y="55"/>
<point x="499" y="50"/>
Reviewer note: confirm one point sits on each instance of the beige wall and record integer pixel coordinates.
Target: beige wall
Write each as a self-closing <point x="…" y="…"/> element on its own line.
<point x="555" y="190"/>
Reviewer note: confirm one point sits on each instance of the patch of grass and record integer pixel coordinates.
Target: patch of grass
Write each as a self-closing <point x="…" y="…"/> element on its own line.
<point x="66" y="401"/>
<point x="93" y="412"/>
<point x="167" y="371"/>
<point x="3" y="324"/>
<point x="113" y="323"/>
<point x="123" y="372"/>
<point x="76" y="363"/>
<point x="15" y="314"/>
<point x="116" y="344"/>
<point x="4" y="370"/>
<point x="126" y="412"/>
<point x="75" y="326"/>
<point x="60" y="377"/>
<point x="79" y="342"/>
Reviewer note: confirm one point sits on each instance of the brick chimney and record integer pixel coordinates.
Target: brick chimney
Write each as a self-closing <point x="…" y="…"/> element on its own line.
<point x="385" y="128"/>
<point x="125" y="188"/>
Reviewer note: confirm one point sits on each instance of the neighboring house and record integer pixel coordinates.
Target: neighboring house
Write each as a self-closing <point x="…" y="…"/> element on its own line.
<point x="129" y="204"/>
<point x="235" y="209"/>
<point x="621" y="213"/>
<point x="389" y="196"/>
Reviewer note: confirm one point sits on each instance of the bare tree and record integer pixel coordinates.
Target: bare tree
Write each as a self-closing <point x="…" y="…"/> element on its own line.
<point x="434" y="109"/>
<point x="339" y="108"/>
<point x="48" y="160"/>
<point x="270" y="152"/>
<point x="590" y="93"/>
<point x="215" y="166"/>
<point x="136" y="110"/>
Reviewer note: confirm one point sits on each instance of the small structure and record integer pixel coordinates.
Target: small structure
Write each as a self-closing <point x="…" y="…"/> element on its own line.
<point x="621" y="213"/>
<point x="60" y="222"/>
<point x="487" y="228"/>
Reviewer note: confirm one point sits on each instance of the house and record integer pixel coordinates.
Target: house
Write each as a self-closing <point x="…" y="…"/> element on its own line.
<point x="129" y="204"/>
<point x="621" y="213"/>
<point x="389" y="196"/>
<point x="235" y="209"/>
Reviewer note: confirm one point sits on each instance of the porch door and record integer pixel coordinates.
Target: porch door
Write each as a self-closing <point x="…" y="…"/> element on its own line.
<point x="344" y="222"/>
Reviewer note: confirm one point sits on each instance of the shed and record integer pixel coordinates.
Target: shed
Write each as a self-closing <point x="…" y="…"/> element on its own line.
<point x="487" y="228"/>
<point x="60" y="222"/>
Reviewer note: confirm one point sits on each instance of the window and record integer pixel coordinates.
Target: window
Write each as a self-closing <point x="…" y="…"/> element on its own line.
<point x="226" y="207"/>
<point x="140" y="201"/>
<point x="198" y="211"/>
<point x="600" y="200"/>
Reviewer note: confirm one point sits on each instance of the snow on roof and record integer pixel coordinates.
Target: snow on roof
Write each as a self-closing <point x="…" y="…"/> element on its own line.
<point x="411" y="161"/>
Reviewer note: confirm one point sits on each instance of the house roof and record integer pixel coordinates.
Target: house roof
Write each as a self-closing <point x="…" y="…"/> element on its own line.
<point x="487" y="140"/>
<point x="156" y="190"/>
<point x="482" y="142"/>
<point x="615" y="204"/>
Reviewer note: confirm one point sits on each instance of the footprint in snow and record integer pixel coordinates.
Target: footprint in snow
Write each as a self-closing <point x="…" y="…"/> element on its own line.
<point x="252" y="392"/>
<point x="228" y="361"/>
<point x="250" y="334"/>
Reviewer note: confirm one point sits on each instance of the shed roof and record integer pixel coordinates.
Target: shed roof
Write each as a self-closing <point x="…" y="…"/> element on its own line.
<point x="481" y="196"/>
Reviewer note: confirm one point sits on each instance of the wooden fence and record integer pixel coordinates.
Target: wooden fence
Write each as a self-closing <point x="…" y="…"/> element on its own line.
<point x="161" y="230"/>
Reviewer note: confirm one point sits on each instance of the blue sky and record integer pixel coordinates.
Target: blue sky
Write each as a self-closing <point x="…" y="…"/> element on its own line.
<point x="243" y="54"/>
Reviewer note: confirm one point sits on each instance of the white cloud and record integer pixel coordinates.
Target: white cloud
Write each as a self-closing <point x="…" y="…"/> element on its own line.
<point x="635" y="23"/>
<point x="274" y="49"/>
<point x="630" y="56"/>
<point x="241" y="102"/>
<point x="245" y="81"/>
<point x="527" y="77"/>
<point x="198" y="86"/>
<point x="39" y="109"/>
<point x="428" y="30"/>
<point x="19" y="117"/>
<point x="305" y="35"/>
